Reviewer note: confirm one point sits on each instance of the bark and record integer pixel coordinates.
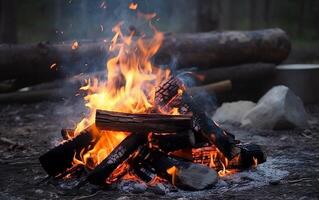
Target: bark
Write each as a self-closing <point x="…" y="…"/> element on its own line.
<point x="240" y="73"/>
<point x="151" y="122"/>
<point x="203" y="50"/>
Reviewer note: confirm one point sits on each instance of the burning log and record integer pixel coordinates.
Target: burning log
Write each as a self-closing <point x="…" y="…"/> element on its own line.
<point x="212" y="49"/>
<point x="185" y="175"/>
<point x="240" y="73"/>
<point x="117" y="157"/>
<point x="60" y="158"/>
<point x="200" y="121"/>
<point x="115" y="121"/>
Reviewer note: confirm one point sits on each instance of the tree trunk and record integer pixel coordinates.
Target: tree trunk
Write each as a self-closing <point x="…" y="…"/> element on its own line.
<point x="202" y="50"/>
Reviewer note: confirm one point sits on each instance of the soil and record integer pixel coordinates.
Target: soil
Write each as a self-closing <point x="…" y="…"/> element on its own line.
<point x="27" y="131"/>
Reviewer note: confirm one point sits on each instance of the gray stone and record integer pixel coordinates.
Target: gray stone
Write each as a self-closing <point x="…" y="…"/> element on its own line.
<point x="233" y="112"/>
<point x="159" y="189"/>
<point x="196" y="177"/>
<point x="279" y="108"/>
<point x="139" y="188"/>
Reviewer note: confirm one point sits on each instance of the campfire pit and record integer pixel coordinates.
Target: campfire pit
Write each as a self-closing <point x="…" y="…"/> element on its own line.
<point x="144" y="125"/>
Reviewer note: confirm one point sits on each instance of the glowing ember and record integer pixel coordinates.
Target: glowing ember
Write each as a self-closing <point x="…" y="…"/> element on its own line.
<point x="133" y="6"/>
<point x="53" y="65"/>
<point x="75" y="45"/>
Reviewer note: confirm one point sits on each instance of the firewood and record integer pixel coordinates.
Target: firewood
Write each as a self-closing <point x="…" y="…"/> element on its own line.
<point x="126" y="148"/>
<point x="213" y="88"/>
<point x="185" y="175"/>
<point x="201" y="123"/>
<point x="211" y="49"/>
<point x="60" y="158"/>
<point x="116" y="121"/>
<point x="245" y="73"/>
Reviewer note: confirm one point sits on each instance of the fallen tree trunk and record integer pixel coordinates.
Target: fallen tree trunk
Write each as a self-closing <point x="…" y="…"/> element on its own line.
<point x="158" y="123"/>
<point x="239" y="73"/>
<point x="212" y="49"/>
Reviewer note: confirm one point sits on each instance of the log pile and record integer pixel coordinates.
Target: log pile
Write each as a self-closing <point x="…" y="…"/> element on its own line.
<point x="151" y="146"/>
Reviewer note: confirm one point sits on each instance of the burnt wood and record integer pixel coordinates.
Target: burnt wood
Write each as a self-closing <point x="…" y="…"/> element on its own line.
<point x="205" y="50"/>
<point x="173" y="142"/>
<point x="201" y="123"/>
<point x="116" y="121"/>
<point x="60" y="158"/>
<point x="118" y="156"/>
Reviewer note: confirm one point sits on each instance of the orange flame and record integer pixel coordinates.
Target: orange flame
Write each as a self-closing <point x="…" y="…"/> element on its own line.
<point x="75" y="45"/>
<point x="172" y="171"/>
<point x="130" y="87"/>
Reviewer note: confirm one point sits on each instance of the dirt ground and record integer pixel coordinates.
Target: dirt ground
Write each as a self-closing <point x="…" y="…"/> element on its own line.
<point x="27" y="131"/>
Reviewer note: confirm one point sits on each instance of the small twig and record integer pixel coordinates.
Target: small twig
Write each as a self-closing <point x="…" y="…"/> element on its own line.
<point x="87" y="196"/>
<point x="299" y="180"/>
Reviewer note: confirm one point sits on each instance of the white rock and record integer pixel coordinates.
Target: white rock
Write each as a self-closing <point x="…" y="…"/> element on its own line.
<point x="233" y="112"/>
<point x="279" y="108"/>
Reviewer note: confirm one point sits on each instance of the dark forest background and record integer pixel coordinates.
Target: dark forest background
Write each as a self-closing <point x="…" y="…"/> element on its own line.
<point x="33" y="21"/>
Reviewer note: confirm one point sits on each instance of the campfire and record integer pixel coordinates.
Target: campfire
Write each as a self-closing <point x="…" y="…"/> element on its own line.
<point x="145" y="125"/>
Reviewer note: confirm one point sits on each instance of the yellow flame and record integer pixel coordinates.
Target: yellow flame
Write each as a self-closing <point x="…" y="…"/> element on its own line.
<point x="130" y="87"/>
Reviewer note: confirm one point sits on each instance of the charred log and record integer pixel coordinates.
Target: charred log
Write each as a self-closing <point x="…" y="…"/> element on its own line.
<point x="60" y="158"/>
<point x="119" y="155"/>
<point x="116" y="121"/>
<point x="250" y="155"/>
<point x="201" y="123"/>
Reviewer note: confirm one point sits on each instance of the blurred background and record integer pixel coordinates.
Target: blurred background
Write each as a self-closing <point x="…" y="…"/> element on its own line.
<point x="59" y="20"/>
<point x="43" y="22"/>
